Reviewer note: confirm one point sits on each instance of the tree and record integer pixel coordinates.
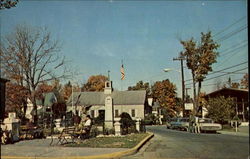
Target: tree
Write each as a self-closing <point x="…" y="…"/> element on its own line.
<point x="200" y="58"/>
<point x="244" y="81"/>
<point x="220" y="109"/>
<point x="235" y="85"/>
<point x="15" y="98"/>
<point x="7" y="4"/>
<point x="67" y="91"/>
<point x="140" y="86"/>
<point x="165" y="92"/>
<point x="30" y="58"/>
<point x="43" y="88"/>
<point x="95" y="83"/>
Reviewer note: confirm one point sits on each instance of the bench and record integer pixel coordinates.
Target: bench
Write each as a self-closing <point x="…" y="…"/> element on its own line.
<point x="30" y="132"/>
<point x="68" y="133"/>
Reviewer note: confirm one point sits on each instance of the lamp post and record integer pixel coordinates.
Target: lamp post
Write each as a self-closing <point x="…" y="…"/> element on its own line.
<point x="182" y="81"/>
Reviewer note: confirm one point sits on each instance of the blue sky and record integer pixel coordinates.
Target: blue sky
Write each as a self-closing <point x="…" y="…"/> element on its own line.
<point x="97" y="35"/>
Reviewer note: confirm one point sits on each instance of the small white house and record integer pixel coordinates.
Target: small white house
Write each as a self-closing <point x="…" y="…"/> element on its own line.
<point x="111" y="103"/>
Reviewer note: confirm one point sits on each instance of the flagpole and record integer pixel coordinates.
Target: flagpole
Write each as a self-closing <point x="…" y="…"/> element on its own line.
<point x="122" y="78"/>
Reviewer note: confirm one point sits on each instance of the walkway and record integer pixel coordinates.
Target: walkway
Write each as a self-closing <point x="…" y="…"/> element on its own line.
<point x="41" y="148"/>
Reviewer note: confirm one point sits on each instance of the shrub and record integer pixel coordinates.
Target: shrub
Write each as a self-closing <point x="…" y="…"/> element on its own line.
<point x="99" y="120"/>
<point x="127" y="124"/>
<point x="151" y="119"/>
<point x="108" y="131"/>
<point x="94" y="131"/>
<point x="221" y="109"/>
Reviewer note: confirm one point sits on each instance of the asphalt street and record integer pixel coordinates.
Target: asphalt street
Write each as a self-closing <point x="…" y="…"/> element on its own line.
<point x="174" y="144"/>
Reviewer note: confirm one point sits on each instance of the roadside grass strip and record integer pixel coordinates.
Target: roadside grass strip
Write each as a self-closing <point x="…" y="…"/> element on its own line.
<point x="127" y="141"/>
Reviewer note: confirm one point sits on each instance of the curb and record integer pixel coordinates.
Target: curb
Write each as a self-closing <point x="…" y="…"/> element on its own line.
<point x="233" y="133"/>
<point x="103" y="156"/>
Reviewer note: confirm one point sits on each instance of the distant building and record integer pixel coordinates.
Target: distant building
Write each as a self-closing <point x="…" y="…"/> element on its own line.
<point x="111" y="103"/>
<point x="240" y="97"/>
<point x="2" y="96"/>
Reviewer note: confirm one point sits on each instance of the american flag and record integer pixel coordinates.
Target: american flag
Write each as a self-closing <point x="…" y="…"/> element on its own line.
<point x="122" y="73"/>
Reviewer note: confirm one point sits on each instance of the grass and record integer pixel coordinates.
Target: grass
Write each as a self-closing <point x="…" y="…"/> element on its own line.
<point x="127" y="141"/>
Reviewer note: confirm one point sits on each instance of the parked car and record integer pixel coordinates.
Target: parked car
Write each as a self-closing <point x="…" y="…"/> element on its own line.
<point x="208" y="125"/>
<point x="184" y="124"/>
<point x="178" y="123"/>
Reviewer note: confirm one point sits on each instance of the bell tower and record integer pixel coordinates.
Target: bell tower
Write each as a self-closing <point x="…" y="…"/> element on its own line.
<point x="108" y="87"/>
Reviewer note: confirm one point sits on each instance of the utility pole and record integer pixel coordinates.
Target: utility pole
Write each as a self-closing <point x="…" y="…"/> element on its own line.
<point x="180" y="58"/>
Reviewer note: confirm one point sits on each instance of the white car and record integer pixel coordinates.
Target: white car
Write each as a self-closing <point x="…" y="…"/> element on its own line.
<point x="208" y="125"/>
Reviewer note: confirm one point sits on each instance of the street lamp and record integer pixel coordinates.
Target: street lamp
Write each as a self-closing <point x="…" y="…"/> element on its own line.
<point x="170" y="69"/>
<point x="182" y="81"/>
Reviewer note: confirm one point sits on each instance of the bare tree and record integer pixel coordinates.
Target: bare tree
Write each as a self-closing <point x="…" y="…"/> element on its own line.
<point x="30" y="57"/>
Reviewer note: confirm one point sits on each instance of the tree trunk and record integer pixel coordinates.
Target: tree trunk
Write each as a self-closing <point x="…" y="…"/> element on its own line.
<point x="24" y="102"/>
<point x="33" y="100"/>
<point x="194" y="89"/>
<point x="198" y="96"/>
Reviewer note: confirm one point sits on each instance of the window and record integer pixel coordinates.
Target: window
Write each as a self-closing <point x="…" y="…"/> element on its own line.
<point x="116" y="113"/>
<point x="92" y="113"/>
<point x="133" y="113"/>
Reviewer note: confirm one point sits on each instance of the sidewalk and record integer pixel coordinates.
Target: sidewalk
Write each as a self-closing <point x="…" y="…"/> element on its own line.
<point x="242" y="131"/>
<point x="40" y="148"/>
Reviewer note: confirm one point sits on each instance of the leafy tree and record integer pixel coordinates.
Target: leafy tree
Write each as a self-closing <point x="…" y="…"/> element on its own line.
<point x="244" y="81"/>
<point x="16" y="96"/>
<point x="235" y="85"/>
<point x="43" y="88"/>
<point x="95" y="83"/>
<point x="200" y="58"/>
<point x="31" y="58"/>
<point x="165" y="92"/>
<point x="7" y="4"/>
<point x="140" y="86"/>
<point x="220" y="109"/>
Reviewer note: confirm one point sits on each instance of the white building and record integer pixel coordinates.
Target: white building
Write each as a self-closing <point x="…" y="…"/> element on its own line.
<point x="111" y="103"/>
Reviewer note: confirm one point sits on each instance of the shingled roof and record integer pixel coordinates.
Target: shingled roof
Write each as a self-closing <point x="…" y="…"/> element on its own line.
<point x="98" y="98"/>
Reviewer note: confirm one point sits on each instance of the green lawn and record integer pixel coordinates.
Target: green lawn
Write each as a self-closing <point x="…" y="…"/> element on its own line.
<point x="127" y="141"/>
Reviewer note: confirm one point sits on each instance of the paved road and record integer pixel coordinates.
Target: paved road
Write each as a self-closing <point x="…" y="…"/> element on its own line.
<point x="179" y="145"/>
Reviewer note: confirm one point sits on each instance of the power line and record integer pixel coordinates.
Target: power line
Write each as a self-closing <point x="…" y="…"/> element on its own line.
<point x="221" y="75"/>
<point x="226" y="52"/>
<point x="219" y="71"/>
<point x="232" y="33"/>
<point x="226" y="60"/>
<point x="212" y="84"/>
<point x="237" y="21"/>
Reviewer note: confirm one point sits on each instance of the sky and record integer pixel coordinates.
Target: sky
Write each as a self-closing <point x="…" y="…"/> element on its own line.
<point x="96" y="36"/>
